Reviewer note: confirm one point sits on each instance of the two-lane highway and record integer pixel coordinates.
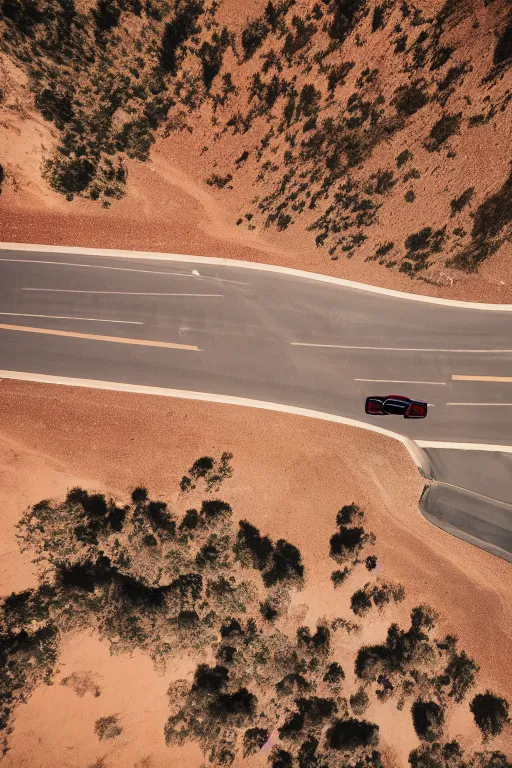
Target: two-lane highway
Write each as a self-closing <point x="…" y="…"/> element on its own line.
<point x="268" y="336"/>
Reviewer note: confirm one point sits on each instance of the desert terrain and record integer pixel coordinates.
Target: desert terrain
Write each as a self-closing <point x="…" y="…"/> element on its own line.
<point x="365" y="140"/>
<point x="186" y="583"/>
<point x="106" y="697"/>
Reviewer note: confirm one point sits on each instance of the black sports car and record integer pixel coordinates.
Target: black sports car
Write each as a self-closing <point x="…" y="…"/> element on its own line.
<point x="397" y="405"/>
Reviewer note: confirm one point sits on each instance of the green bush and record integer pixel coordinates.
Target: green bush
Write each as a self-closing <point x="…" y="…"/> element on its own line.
<point x="447" y="126"/>
<point x="384" y="249"/>
<point x="378" y="18"/>
<point x="177" y="31"/>
<point x="309" y="100"/>
<point x="211" y="54"/>
<point x="254" y="739"/>
<point x="403" y="158"/>
<point x="359" y="701"/>
<point x="345" y="17"/>
<point x="219" y="181"/>
<point x="70" y="175"/>
<point x="503" y="50"/>
<point x="490" y="713"/>
<point x="136" y="139"/>
<point x="410" y="98"/>
<point x="337" y="75"/>
<point x="440" y="57"/>
<point x="428" y="720"/>
<point x="283" y="220"/>
<point x="360" y="602"/>
<point x="338" y="577"/>
<point x="107" y="727"/>
<point x="351" y="734"/>
<point x="106" y="16"/>
<point x="384" y="182"/>
<point x="412" y="174"/>
<point x="55" y="105"/>
<point x="299" y="38"/>
<point x="253" y="36"/>
<point x="452" y="77"/>
<point x="491" y="218"/>
<point x="459" y="203"/>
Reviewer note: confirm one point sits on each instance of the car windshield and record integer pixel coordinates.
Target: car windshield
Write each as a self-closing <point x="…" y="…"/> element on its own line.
<point x="395" y="407"/>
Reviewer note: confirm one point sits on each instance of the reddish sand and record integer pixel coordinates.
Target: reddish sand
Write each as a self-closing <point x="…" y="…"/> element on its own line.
<point x="291" y="475"/>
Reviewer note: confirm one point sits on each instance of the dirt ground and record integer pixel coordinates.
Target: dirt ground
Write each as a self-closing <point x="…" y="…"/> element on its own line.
<point x="168" y="211"/>
<point x="170" y="207"/>
<point x="291" y="475"/>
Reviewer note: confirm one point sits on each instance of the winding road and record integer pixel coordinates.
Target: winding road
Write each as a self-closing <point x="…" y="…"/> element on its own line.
<point x="274" y="335"/>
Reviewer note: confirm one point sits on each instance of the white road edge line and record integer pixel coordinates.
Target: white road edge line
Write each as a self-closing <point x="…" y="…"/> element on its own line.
<point x="65" y="317"/>
<point x="486" y="404"/>
<point x="399" y="349"/>
<point x="417" y="455"/>
<point x="115" y="253"/>
<point x="464" y="446"/>
<point x="398" y="381"/>
<point x="193" y="273"/>
<point x="123" y="293"/>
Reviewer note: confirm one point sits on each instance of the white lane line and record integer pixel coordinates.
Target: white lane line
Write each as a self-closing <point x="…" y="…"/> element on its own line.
<point x="464" y="446"/>
<point x="66" y="317"/>
<point x="398" y="381"/>
<point x="193" y="273"/>
<point x="123" y="293"/>
<point x="94" y="266"/>
<point x="507" y="379"/>
<point x="400" y="349"/>
<point x="254" y="265"/>
<point x="484" y="404"/>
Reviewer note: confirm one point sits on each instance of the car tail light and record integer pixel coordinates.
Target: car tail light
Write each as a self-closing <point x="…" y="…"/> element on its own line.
<point x="374" y="407"/>
<point x="418" y="409"/>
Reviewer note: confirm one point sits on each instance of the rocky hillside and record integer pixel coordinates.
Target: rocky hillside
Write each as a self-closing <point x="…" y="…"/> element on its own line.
<point x="373" y="131"/>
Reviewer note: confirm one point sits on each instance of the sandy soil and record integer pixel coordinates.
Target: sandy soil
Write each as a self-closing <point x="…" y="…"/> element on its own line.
<point x="168" y="211"/>
<point x="291" y="476"/>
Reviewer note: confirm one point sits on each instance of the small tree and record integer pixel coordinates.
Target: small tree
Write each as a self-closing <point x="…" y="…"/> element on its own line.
<point x="360" y="602"/>
<point x="253" y="36"/>
<point x="490" y="713"/>
<point x="107" y="727"/>
<point x="359" y="701"/>
<point x="428" y="720"/>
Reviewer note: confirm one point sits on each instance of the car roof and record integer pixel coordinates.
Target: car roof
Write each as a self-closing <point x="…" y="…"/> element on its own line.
<point x="404" y="398"/>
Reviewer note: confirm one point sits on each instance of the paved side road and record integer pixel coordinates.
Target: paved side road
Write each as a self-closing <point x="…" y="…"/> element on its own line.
<point x="459" y="512"/>
<point x="487" y="473"/>
<point x="269" y="336"/>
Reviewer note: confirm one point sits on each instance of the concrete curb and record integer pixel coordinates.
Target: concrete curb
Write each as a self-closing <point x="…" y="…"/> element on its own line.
<point x="419" y="456"/>
<point x="213" y="261"/>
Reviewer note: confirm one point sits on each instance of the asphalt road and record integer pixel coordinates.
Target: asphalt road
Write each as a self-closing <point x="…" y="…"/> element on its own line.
<point x="273" y="337"/>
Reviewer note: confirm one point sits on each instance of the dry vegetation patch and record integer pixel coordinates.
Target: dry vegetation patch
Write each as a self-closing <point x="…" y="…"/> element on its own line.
<point x="149" y="579"/>
<point x="303" y="103"/>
